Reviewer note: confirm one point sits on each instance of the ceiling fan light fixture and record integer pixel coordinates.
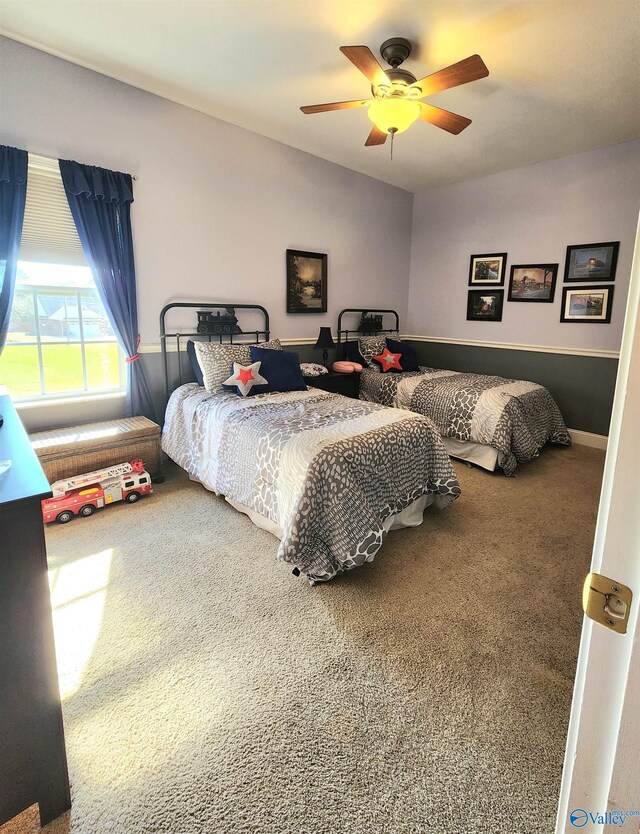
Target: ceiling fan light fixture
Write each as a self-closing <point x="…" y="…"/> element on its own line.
<point x="393" y="115"/>
<point x="397" y="93"/>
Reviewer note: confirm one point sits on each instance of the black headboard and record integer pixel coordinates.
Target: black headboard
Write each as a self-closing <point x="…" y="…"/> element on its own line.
<point x="371" y="322"/>
<point x="217" y="323"/>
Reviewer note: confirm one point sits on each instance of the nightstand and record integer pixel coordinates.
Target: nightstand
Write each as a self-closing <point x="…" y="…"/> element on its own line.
<point x="346" y="384"/>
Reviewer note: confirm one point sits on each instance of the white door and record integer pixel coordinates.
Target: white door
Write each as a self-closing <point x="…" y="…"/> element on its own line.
<point x="602" y="763"/>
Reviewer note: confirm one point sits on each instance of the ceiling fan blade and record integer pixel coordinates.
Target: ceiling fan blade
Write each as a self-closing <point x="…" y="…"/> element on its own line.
<point x="334" y="105"/>
<point x="471" y="69"/>
<point x="363" y="58"/>
<point x="376" y="137"/>
<point x="450" y="122"/>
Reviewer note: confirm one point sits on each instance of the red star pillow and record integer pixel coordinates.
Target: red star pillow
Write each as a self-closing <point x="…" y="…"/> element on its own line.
<point x="244" y="377"/>
<point x="388" y="361"/>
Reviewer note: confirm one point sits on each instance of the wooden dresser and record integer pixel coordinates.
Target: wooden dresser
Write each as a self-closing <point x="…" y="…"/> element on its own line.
<point x="33" y="762"/>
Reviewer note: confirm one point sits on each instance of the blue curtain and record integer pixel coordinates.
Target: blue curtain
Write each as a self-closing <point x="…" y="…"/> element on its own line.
<point x="100" y="203"/>
<point x="13" y="193"/>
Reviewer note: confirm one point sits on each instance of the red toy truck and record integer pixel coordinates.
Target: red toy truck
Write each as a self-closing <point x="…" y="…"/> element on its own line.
<point x="84" y="494"/>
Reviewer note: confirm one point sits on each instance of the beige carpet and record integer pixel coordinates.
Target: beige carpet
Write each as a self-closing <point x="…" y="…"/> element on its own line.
<point x="208" y="690"/>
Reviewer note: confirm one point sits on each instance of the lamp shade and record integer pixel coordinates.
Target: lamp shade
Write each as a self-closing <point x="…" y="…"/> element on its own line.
<point x="393" y="114"/>
<point x="325" y="339"/>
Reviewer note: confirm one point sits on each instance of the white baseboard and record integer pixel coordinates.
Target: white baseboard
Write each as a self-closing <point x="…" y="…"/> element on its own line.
<point x="587" y="438"/>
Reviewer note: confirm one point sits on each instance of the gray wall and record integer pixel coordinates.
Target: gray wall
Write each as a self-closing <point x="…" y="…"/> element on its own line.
<point x="583" y="386"/>
<point x="215" y="206"/>
<point x="533" y="214"/>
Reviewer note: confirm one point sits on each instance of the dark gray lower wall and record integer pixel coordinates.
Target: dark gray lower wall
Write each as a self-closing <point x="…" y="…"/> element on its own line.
<point x="583" y="386"/>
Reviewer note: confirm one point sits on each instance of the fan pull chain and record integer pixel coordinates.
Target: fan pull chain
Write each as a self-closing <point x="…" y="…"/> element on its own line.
<point x="393" y="132"/>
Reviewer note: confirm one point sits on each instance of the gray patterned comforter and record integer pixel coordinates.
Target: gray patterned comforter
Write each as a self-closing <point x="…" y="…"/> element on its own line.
<point x="515" y="417"/>
<point x="327" y="471"/>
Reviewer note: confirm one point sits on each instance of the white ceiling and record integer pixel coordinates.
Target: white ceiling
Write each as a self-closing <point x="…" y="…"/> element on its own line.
<point x="564" y="76"/>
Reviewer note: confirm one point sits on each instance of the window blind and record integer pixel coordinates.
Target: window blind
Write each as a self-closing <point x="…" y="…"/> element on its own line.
<point x="48" y="233"/>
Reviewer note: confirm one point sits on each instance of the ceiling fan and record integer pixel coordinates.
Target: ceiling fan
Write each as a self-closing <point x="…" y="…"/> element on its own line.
<point x="396" y="104"/>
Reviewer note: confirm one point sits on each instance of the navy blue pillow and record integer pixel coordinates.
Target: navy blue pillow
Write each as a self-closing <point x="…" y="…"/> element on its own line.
<point x="352" y="353"/>
<point x="195" y="365"/>
<point x="408" y="355"/>
<point x="280" y="367"/>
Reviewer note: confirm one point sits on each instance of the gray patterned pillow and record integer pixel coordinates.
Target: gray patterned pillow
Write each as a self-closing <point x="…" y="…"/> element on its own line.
<point x="371" y="346"/>
<point x="215" y="360"/>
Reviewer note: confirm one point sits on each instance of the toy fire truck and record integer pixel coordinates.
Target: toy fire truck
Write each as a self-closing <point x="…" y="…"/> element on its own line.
<point x="84" y="494"/>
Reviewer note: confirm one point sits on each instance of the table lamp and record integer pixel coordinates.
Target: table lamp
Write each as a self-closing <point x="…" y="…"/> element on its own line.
<point x="325" y="341"/>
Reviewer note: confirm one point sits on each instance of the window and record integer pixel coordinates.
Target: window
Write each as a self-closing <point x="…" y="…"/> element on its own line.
<point x="60" y="342"/>
<point x="142" y="481"/>
<point x="128" y="484"/>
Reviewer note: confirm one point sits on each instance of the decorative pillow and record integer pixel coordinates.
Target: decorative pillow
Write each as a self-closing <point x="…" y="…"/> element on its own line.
<point x="281" y="368"/>
<point x="408" y="355"/>
<point x="193" y="361"/>
<point x="371" y="346"/>
<point x="344" y="367"/>
<point x="388" y="361"/>
<point x="312" y="369"/>
<point x="244" y="378"/>
<point x="216" y="359"/>
<point x="352" y="353"/>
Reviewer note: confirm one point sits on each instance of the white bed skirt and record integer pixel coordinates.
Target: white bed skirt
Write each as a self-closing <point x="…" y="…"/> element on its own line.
<point x="411" y="516"/>
<point x="478" y="453"/>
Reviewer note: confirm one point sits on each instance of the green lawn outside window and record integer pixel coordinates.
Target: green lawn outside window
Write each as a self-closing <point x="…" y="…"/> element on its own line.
<point x="19" y="370"/>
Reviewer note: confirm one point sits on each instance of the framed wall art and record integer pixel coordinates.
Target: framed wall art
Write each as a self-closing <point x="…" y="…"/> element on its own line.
<point x="587" y="304"/>
<point x="485" y="270"/>
<point x="532" y="282"/>
<point x="591" y="262"/>
<point x="306" y="282"/>
<point x="484" y="305"/>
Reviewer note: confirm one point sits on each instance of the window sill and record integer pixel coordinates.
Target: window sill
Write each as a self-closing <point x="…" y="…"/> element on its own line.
<point x="59" y="401"/>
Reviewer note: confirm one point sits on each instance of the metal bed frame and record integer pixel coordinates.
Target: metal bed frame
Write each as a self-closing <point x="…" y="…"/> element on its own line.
<point x="244" y="336"/>
<point x="366" y="332"/>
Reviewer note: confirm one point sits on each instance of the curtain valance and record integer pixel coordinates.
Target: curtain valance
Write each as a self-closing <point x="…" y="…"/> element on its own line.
<point x="13" y="165"/>
<point x="96" y="183"/>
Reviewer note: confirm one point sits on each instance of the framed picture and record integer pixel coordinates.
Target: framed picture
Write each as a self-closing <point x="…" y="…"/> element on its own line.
<point x="487" y="270"/>
<point x="306" y="282"/>
<point x="590" y="304"/>
<point x="591" y="262"/>
<point x="532" y="282"/>
<point x="484" y="305"/>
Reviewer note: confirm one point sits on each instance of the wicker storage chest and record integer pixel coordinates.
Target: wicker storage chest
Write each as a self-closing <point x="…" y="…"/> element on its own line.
<point x="72" y="451"/>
